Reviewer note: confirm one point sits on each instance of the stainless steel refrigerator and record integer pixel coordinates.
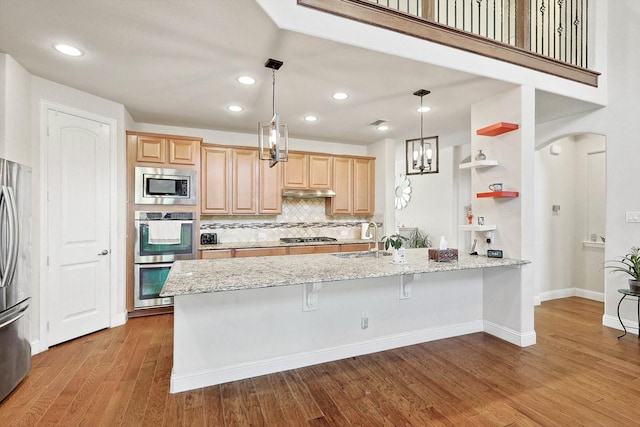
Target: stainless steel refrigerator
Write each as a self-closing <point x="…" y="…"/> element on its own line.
<point x="15" y="274"/>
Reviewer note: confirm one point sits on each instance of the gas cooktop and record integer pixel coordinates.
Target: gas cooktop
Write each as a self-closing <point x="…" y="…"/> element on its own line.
<point x="307" y="239"/>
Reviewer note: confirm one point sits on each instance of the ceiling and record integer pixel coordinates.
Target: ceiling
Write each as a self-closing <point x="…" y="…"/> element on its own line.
<point x="176" y="63"/>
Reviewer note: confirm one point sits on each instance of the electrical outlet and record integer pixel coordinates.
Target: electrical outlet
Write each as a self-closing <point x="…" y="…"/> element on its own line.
<point x="262" y="235"/>
<point x="633" y="216"/>
<point x="344" y="233"/>
<point x="364" y="320"/>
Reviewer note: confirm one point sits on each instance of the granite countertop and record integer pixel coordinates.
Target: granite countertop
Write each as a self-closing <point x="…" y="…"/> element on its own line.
<point x="220" y="275"/>
<point x="276" y="243"/>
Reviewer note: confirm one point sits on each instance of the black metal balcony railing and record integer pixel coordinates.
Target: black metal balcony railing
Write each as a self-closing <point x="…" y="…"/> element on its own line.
<point x="553" y="28"/>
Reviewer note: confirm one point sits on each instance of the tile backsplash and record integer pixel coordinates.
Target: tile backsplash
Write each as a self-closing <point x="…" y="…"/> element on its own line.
<point x="299" y="218"/>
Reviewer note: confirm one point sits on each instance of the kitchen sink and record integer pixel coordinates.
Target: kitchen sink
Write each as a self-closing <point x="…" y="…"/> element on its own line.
<point x="361" y="254"/>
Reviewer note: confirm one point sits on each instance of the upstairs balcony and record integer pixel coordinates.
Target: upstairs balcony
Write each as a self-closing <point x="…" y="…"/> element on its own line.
<point x="551" y="36"/>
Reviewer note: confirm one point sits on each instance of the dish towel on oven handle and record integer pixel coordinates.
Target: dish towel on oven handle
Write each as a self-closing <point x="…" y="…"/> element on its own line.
<point x="165" y="232"/>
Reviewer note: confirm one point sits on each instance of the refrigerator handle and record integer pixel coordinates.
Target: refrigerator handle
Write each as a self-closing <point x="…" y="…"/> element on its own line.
<point x="20" y="314"/>
<point x="6" y="193"/>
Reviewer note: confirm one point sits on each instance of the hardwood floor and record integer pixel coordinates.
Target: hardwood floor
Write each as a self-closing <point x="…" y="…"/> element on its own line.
<point x="579" y="373"/>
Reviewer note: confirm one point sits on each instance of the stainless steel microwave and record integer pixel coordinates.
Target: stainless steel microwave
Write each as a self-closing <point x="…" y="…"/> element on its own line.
<point x="160" y="186"/>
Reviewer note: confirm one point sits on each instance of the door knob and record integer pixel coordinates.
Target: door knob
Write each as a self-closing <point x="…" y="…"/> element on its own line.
<point x="104" y="252"/>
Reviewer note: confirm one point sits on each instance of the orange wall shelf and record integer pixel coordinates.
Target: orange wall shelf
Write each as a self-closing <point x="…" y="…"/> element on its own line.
<point x="497" y="129"/>
<point x="498" y="194"/>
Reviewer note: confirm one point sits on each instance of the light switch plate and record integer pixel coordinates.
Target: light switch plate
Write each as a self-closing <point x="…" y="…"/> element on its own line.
<point x="633" y="216"/>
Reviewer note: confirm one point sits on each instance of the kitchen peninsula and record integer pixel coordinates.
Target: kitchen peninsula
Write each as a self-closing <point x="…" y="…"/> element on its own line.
<point x="243" y="317"/>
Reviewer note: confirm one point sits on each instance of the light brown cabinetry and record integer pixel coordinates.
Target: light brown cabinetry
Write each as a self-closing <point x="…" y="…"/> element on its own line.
<point x="363" y="186"/>
<point x="270" y="188"/>
<point x="315" y="249"/>
<point x="354" y="184"/>
<point x="354" y="247"/>
<point x="244" y="181"/>
<point x="216" y="254"/>
<point x="214" y="180"/>
<point x="280" y="250"/>
<point x="166" y="150"/>
<point x="342" y="202"/>
<point x="235" y="182"/>
<point x="308" y="171"/>
<point x="251" y="252"/>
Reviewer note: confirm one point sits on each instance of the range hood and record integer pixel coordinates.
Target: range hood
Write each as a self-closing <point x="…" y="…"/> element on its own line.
<point x="308" y="194"/>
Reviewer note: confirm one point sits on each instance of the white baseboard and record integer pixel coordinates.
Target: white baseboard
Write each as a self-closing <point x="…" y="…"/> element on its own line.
<point x="509" y="335"/>
<point x="613" y="322"/>
<point x="228" y="373"/>
<point x="37" y="347"/>
<point x="119" y="319"/>
<point x="570" y="292"/>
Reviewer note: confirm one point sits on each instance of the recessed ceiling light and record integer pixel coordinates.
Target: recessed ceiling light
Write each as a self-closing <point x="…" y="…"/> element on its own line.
<point x="235" y="108"/>
<point x="383" y="127"/>
<point x="423" y="109"/>
<point x="340" y="95"/>
<point x="311" y="118"/>
<point x="246" y="80"/>
<point x="68" y="49"/>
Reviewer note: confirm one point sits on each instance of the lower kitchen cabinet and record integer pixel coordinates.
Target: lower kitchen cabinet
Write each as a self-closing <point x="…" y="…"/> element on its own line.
<point x="355" y="247"/>
<point x="216" y="254"/>
<point x="283" y="250"/>
<point x="249" y="252"/>
<point x="315" y="249"/>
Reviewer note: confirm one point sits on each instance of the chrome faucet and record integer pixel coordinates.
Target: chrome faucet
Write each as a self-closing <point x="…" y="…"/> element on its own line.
<point x="375" y="237"/>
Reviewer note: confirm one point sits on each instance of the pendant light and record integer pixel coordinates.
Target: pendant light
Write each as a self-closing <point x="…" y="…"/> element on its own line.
<point x="422" y="154"/>
<point x="273" y="133"/>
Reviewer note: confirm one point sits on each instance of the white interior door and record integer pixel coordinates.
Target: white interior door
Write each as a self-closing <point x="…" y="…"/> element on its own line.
<point x="78" y="188"/>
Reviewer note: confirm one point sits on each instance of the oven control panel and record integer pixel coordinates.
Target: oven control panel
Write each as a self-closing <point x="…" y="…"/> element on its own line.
<point x="208" y="238"/>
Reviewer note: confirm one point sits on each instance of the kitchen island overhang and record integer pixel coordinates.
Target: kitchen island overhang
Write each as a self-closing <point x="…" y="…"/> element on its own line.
<point x="244" y="317"/>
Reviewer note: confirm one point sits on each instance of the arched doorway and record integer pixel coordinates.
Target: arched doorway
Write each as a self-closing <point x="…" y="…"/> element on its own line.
<point x="570" y="205"/>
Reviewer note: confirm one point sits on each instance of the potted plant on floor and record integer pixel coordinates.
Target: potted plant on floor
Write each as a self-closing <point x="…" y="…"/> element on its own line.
<point x="395" y="241"/>
<point x="630" y="264"/>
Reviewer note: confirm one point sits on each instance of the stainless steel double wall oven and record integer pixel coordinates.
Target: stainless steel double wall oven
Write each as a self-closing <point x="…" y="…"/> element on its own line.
<point x="152" y="260"/>
<point x="153" y="257"/>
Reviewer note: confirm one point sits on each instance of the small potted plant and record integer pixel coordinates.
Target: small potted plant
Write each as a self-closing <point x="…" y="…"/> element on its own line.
<point x="630" y="264"/>
<point x="395" y="241"/>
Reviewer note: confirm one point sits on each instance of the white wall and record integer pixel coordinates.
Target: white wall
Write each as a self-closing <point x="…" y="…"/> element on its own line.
<point x="619" y="123"/>
<point x="250" y="139"/>
<point x="433" y="205"/>
<point x="15" y="142"/>
<point x="589" y="276"/>
<point x="45" y="90"/>
<point x="287" y="15"/>
<point x="555" y="237"/>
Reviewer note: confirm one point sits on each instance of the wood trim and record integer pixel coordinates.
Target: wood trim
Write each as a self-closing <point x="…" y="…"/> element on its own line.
<point x="314" y="249"/>
<point x="428" y="10"/>
<point x="373" y="14"/>
<point x="523" y="21"/>
<point x="163" y="135"/>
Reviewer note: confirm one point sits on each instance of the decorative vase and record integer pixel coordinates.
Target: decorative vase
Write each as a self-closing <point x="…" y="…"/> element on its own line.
<point x="480" y="156"/>
<point x="634" y="285"/>
<point x="398" y="256"/>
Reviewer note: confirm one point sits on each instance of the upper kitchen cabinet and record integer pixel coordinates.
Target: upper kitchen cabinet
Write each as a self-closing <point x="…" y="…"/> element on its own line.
<point x="236" y="182"/>
<point x="354" y="179"/>
<point x="342" y="202"/>
<point x="308" y="171"/>
<point x="244" y="183"/>
<point x="270" y="189"/>
<point x="165" y="150"/>
<point x="364" y="186"/>
<point x="215" y="166"/>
